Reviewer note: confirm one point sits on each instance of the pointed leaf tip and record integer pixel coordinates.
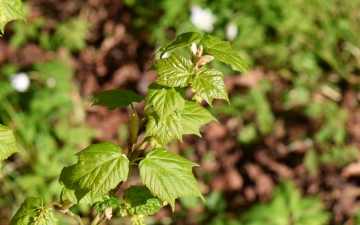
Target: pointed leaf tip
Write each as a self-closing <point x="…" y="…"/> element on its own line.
<point x="223" y="51"/>
<point x="116" y="98"/>
<point x="184" y="39"/>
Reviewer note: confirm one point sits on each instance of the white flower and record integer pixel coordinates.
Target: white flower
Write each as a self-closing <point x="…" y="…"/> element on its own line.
<point x="20" y="81"/>
<point x="202" y="18"/>
<point x="231" y="31"/>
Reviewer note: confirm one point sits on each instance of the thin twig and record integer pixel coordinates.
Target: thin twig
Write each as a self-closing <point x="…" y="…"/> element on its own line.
<point x="77" y="217"/>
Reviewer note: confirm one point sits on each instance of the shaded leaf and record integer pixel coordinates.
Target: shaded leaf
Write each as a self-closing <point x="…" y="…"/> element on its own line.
<point x="193" y="117"/>
<point x="116" y="98"/>
<point x="164" y="129"/>
<point x="10" y="10"/>
<point x="209" y="84"/>
<point x="174" y="71"/>
<point x="107" y="201"/>
<point x="223" y="51"/>
<point x="168" y="175"/>
<point x="164" y="100"/>
<point x="184" y="39"/>
<point x="76" y="195"/>
<point x="139" y="200"/>
<point x="7" y="143"/>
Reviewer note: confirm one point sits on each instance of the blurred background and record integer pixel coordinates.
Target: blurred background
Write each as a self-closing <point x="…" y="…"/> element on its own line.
<point x="285" y="152"/>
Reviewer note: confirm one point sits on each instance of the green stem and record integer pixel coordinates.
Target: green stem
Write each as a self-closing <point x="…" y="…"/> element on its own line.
<point x="134" y="154"/>
<point x="96" y="219"/>
<point x="58" y="204"/>
<point x="66" y="211"/>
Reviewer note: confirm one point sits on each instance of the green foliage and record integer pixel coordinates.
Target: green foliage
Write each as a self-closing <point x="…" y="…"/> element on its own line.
<point x="287" y="207"/>
<point x="174" y="71"/>
<point x="10" y="10"/>
<point x="193" y="117"/>
<point x="209" y="84"/>
<point x="100" y="168"/>
<point x="70" y="34"/>
<point x="139" y="201"/>
<point x="48" y="125"/>
<point x="168" y="176"/>
<point x="108" y="201"/>
<point x="7" y="144"/>
<point x="183" y="40"/>
<point x="164" y="129"/>
<point x="116" y="98"/>
<point x="222" y="51"/>
<point x="33" y="212"/>
<point x="164" y="100"/>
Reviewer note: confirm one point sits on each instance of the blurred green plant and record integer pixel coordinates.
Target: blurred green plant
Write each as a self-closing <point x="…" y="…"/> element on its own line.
<point x="287" y="207"/>
<point x="253" y="111"/>
<point x="70" y="34"/>
<point x="48" y="123"/>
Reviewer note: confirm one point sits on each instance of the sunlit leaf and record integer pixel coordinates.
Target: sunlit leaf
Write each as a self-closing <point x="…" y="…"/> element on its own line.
<point x="168" y="175"/>
<point x="7" y="143"/>
<point x="100" y="168"/>
<point x="193" y="117"/>
<point x="10" y="10"/>
<point x="184" y="39"/>
<point x="174" y="71"/>
<point x="164" y="100"/>
<point x="164" y="129"/>
<point x="209" y="84"/>
<point x="116" y="98"/>
<point x="223" y="51"/>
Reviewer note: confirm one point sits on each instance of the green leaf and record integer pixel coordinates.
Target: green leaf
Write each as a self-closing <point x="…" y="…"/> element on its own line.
<point x="32" y="212"/>
<point x="164" y="100"/>
<point x="78" y="196"/>
<point x="71" y="34"/>
<point x="174" y="71"/>
<point x="139" y="201"/>
<point x="223" y="51"/>
<point x="107" y="201"/>
<point x="193" y="117"/>
<point x="7" y="143"/>
<point x="10" y="10"/>
<point x="184" y="39"/>
<point x="100" y="168"/>
<point x="164" y="129"/>
<point x="116" y="98"/>
<point x="209" y="84"/>
<point x="168" y="175"/>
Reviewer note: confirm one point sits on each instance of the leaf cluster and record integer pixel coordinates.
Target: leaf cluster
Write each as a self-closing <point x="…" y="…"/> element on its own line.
<point x="168" y="114"/>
